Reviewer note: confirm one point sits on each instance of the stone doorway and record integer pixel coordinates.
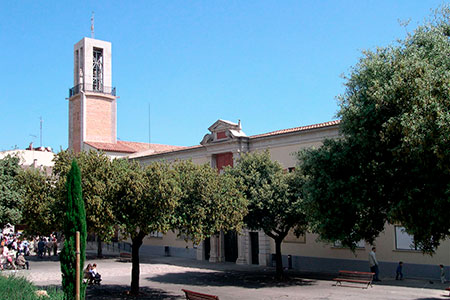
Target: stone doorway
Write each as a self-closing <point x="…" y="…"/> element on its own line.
<point x="231" y="246"/>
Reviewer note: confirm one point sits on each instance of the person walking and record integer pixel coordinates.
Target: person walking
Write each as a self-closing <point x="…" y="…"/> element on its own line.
<point x="373" y="263"/>
<point x="399" y="275"/>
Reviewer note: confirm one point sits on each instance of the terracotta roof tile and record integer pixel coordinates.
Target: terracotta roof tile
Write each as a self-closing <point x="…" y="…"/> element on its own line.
<point x="131" y="147"/>
<point x="296" y="129"/>
<point x="150" y="153"/>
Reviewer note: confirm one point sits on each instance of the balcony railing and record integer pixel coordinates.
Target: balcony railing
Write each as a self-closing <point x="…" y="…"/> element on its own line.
<point x="86" y="87"/>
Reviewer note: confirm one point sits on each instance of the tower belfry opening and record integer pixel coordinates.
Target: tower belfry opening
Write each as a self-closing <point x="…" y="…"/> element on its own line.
<point x="92" y="99"/>
<point x="97" y="70"/>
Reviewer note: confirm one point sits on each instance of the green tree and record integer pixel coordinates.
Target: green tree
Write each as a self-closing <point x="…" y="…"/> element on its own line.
<point x="194" y="200"/>
<point x="394" y="153"/>
<point x="145" y="202"/>
<point x="209" y="202"/>
<point x="275" y="200"/>
<point x="11" y="194"/>
<point x="97" y="186"/>
<point x="75" y="220"/>
<point x="41" y="213"/>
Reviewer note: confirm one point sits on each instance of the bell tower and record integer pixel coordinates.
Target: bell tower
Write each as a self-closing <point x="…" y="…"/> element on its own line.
<point x="92" y="100"/>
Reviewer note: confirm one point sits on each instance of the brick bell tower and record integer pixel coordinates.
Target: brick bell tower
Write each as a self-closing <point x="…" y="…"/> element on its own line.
<point x="92" y="100"/>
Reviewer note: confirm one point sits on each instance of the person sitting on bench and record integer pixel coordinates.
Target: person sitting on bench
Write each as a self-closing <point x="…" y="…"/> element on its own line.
<point x="97" y="277"/>
<point x="22" y="262"/>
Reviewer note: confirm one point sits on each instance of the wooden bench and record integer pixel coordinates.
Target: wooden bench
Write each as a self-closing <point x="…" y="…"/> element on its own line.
<point x="354" y="277"/>
<point x="125" y="257"/>
<point x="190" y="295"/>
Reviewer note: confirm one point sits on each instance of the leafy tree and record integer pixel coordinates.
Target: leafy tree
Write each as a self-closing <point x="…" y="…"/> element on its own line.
<point x="275" y="201"/>
<point x="145" y="202"/>
<point x="41" y="213"/>
<point x="210" y="202"/>
<point x="97" y="186"/>
<point x="75" y="220"/>
<point x="393" y="161"/>
<point x="10" y="192"/>
<point x="194" y="200"/>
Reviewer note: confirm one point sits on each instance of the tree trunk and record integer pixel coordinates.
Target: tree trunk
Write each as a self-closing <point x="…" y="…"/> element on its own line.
<point x="99" y="248"/>
<point x="135" y="271"/>
<point x="278" y="258"/>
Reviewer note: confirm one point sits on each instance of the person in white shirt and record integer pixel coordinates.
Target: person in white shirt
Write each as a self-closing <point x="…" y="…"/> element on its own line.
<point x="373" y="263"/>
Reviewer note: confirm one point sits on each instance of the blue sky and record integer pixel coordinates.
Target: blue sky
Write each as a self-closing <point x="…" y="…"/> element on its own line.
<point x="271" y="64"/>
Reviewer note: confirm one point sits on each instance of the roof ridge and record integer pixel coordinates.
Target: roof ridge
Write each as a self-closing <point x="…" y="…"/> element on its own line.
<point x="299" y="128"/>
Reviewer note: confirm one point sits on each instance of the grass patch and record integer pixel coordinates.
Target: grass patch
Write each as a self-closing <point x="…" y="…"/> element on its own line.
<point x="19" y="288"/>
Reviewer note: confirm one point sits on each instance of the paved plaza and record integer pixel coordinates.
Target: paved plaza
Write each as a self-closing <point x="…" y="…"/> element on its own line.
<point x="164" y="277"/>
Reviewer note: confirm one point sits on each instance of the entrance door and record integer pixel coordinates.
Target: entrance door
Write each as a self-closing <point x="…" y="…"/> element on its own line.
<point x="254" y="242"/>
<point x="231" y="246"/>
<point x="207" y="248"/>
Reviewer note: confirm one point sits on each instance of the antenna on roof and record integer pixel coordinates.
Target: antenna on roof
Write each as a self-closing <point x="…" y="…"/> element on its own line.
<point x="92" y="26"/>
<point x="149" y="128"/>
<point x="41" y="130"/>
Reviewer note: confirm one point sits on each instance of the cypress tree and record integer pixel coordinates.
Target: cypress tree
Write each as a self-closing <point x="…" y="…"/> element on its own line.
<point x="75" y="220"/>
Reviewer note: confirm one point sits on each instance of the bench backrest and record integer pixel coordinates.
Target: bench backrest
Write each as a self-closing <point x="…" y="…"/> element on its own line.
<point x="356" y="275"/>
<point x="190" y="295"/>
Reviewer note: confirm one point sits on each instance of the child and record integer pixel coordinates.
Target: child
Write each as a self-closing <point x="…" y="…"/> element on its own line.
<point x="399" y="275"/>
<point x="97" y="275"/>
<point x="442" y="273"/>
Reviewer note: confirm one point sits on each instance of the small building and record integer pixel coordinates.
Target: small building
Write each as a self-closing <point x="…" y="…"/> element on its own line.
<point x="38" y="157"/>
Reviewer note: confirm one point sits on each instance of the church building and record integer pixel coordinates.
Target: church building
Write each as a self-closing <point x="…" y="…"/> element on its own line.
<point x="93" y="125"/>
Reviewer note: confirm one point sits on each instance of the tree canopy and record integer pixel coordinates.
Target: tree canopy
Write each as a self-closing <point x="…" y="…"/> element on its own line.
<point x="274" y="196"/>
<point x="194" y="200"/>
<point x="40" y="210"/>
<point x="97" y="183"/>
<point x="11" y="193"/>
<point x="392" y="163"/>
<point x="209" y="202"/>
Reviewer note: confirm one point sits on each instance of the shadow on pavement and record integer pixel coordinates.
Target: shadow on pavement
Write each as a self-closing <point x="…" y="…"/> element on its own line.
<point x="227" y="278"/>
<point x="44" y="258"/>
<point x="116" y="292"/>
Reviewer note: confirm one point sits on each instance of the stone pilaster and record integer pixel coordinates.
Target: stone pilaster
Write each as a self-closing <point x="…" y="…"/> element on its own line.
<point x="243" y="240"/>
<point x="201" y="251"/>
<point x="213" y="255"/>
<point x="221" y="254"/>
<point x="264" y="249"/>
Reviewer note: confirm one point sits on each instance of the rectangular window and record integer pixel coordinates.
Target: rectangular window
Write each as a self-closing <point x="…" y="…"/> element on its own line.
<point x="360" y="245"/>
<point x="156" y="234"/>
<point x="97" y="70"/>
<point x="77" y="67"/>
<point x="403" y="240"/>
<point x="221" y="135"/>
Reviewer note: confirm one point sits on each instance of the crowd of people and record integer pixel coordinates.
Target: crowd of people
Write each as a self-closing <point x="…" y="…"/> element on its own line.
<point x="14" y="248"/>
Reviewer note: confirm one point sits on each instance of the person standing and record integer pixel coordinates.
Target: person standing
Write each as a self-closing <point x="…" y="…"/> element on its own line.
<point x="41" y="248"/>
<point x="373" y="263"/>
<point x="442" y="273"/>
<point x="399" y="275"/>
<point x="55" y="246"/>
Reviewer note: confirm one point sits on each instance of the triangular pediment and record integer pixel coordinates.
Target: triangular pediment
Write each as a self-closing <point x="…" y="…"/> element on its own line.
<point x="220" y="125"/>
<point x="223" y="130"/>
